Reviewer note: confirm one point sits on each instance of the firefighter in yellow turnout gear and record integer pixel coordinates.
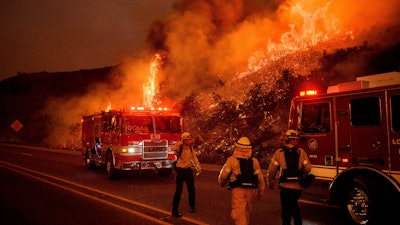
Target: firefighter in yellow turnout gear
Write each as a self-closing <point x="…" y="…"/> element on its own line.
<point x="290" y="189"/>
<point x="242" y="195"/>
<point x="184" y="174"/>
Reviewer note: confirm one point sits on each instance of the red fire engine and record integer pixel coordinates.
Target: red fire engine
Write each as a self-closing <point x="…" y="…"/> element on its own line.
<point x="352" y="137"/>
<point x="138" y="139"/>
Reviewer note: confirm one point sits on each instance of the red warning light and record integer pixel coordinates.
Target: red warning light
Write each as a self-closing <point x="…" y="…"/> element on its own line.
<point x="308" y="93"/>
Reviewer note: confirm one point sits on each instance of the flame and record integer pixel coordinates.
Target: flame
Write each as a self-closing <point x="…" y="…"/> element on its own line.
<point x="108" y="108"/>
<point x="150" y="89"/>
<point x="316" y="27"/>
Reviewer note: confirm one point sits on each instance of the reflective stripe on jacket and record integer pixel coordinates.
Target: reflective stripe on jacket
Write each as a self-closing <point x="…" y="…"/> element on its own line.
<point x="278" y="162"/>
<point x="231" y="169"/>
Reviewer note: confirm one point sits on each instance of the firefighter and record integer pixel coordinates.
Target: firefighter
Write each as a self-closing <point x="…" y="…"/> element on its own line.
<point x="184" y="173"/>
<point x="242" y="197"/>
<point x="290" y="189"/>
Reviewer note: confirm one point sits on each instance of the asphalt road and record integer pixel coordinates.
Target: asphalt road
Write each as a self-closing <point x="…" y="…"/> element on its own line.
<point x="50" y="186"/>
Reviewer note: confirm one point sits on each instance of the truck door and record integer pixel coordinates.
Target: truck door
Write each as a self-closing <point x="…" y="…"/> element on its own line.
<point x="394" y="131"/>
<point x="342" y="130"/>
<point x="97" y="131"/>
<point x="368" y="131"/>
<point x="115" y="130"/>
<point x="317" y="135"/>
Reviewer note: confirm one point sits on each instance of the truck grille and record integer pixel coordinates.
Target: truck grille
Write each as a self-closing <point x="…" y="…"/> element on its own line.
<point x="155" y="149"/>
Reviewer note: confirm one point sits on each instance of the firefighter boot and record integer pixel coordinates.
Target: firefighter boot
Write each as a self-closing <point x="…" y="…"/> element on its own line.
<point x="175" y="213"/>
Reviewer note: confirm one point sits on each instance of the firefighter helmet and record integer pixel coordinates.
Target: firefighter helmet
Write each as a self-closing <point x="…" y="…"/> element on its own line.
<point x="243" y="142"/>
<point x="186" y="136"/>
<point x="292" y="134"/>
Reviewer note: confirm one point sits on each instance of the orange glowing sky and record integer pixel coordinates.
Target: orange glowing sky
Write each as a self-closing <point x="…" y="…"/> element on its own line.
<point x="69" y="35"/>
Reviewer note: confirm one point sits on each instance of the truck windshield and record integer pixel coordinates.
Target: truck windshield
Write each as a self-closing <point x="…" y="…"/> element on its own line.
<point x="144" y="124"/>
<point x="168" y="124"/>
<point x="316" y="118"/>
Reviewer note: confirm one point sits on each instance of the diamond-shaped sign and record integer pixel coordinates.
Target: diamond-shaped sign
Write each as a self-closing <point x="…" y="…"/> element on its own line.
<point x="16" y="125"/>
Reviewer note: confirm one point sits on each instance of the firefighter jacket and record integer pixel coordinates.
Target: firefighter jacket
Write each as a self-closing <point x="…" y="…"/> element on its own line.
<point x="231" y="168"/>
<point x="278" y="162"/>
<point x="187" y="158"/>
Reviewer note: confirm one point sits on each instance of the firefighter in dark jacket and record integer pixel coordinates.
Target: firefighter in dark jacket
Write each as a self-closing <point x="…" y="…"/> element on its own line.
<point x="290" y="188"/>
<point x="184" y="173"/>
<point x="242" y="197"/>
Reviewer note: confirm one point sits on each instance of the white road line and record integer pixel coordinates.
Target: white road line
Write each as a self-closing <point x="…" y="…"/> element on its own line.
<point x="158" y="221"/>
<point x="27" y="154"/>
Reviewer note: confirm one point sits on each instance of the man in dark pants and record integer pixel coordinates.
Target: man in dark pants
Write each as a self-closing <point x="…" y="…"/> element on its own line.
<point x="186" y="159"/>
<point x="290" y="206"/>
<point x="291" y="167"/>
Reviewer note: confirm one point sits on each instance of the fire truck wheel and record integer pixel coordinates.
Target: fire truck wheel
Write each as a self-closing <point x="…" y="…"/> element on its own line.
<point x="110" y="166"/>
<point x="361" y="203"/>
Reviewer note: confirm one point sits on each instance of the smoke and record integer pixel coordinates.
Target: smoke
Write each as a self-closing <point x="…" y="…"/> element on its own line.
<point x="224" y="47"/>
<point x="122" y="89"/>
<point x="208" y="42"/>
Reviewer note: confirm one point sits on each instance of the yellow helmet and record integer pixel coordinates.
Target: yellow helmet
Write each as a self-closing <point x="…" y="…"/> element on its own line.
<point x="243" y="142"/>
<point x="186" y="136"/>
<point x="292" y="134"/>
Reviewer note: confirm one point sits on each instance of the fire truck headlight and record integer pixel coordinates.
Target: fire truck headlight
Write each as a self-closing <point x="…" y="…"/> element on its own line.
<point x="128" y="150"/>
<point x="158" y="164"/>
<point x="131" y="150"/>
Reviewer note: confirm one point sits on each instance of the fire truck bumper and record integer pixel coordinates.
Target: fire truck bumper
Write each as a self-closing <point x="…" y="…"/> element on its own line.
<point x="147" y="165"/>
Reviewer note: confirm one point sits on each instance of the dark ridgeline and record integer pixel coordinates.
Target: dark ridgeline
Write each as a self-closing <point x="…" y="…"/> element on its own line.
<point x="23" y="96"/>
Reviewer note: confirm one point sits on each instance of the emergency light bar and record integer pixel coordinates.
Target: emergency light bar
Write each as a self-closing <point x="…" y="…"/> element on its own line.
<point x="141" y="108"/>
<point x="159" y="109"/>
<point x="308" y="93"/>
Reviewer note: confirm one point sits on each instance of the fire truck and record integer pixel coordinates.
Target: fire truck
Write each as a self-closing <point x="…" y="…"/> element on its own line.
<point x="136" y="140"/>
<point x="351" y="134"/>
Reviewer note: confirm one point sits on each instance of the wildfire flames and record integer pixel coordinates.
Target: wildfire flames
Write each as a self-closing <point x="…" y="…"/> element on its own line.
<point x="150" y="89"/>
<point x="209" y="43"/>
<point x="300" y="38"/>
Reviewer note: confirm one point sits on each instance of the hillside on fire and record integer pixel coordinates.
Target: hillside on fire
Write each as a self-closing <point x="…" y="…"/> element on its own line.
<point x="230" y="70"/>
<point x="35" y="101"/>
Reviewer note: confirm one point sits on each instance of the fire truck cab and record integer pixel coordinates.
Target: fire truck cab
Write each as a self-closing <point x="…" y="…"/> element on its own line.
<point x="137" y="139"/>
<point x="352" y="137"/>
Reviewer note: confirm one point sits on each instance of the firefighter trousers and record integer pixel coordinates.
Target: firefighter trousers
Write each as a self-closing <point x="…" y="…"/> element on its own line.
<point x="184" y="175"/>
<point x="290" y="206"/>
<point x="242" y="200"/>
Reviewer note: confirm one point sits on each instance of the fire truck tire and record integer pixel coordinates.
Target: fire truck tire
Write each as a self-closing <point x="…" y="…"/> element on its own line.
<point x="361" y="202"/>
<point x="110" y="166"/>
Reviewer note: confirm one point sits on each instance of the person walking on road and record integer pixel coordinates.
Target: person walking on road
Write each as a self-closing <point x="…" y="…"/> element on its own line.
<point x="184" y="173"/>
<point x="294" y="162"/>
<point x="242" y="174"/>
